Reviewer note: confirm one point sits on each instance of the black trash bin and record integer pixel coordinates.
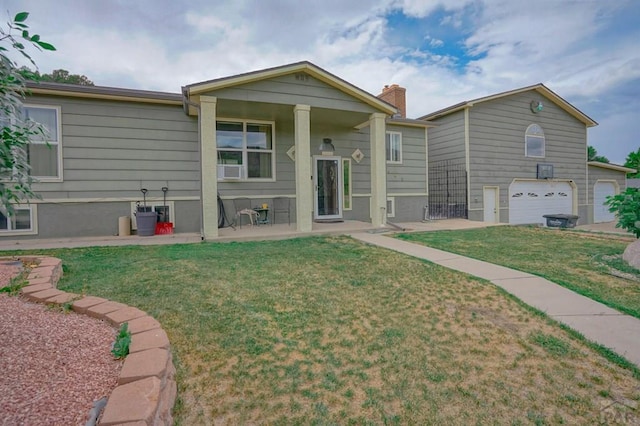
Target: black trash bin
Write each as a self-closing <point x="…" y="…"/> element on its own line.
<point x="561" y="220"/>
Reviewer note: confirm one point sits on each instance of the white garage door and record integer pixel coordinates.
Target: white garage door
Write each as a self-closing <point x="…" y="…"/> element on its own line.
<point x="601" y="190"/>
<point x="530" y="200"/>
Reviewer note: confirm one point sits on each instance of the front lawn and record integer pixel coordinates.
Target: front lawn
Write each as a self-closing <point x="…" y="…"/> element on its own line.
<point x="590" y="264"/>
<point x="331" y="331"/>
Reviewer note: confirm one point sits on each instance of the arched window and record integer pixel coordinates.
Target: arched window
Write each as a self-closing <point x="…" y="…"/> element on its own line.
<point x="534" y="141"/>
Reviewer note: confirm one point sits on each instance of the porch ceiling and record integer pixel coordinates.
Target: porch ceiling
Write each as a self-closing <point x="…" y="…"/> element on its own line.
<point x="284" y="113"/>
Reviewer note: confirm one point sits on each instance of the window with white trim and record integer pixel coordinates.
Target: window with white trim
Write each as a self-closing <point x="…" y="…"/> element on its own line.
<point x="391" y="207"/>
<point x="534" y="141"/>
<point x="165" y="211"/>
<point x="346" y="184"/>
<point x="44" y="152"/>
<point x="245" y="149"/>
<point x="21" y="221"/>
<point x="393" y="146"/>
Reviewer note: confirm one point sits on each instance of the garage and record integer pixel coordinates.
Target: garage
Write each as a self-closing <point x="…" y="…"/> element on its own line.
<point x="529" y="200"/>
<point x="602" y="190"/>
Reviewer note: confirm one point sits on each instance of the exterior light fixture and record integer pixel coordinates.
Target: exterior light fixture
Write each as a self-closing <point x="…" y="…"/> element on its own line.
<point x="326" y="146"/>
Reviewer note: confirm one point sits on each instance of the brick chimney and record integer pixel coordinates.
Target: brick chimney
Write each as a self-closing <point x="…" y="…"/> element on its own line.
<point x="396" y="96"/>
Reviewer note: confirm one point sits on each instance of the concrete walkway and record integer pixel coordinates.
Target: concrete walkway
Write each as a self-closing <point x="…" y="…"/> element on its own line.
<point x="593" y="320"/>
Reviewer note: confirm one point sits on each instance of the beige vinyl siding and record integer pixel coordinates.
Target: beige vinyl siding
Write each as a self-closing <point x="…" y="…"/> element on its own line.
<point x="599" y="173"/>
<point x="294" y="89"/>
<point x="446" y="139"/>
<point x="497" y="153"/>
<point x="410" y="176"/>
<point x="112" y="149"/>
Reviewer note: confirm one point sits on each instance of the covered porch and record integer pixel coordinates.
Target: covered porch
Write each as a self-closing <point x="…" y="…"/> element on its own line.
<point x="270" y="128"/>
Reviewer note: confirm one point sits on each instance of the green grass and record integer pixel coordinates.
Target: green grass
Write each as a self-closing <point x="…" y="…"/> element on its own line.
<point x="331" y="331"/>
<point x="581" y="262"/>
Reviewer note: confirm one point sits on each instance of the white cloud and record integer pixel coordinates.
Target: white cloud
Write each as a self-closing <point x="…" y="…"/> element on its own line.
<point x="422" y="8"/>
<point x="161" y="45"/>
<point x="434" y="42"/>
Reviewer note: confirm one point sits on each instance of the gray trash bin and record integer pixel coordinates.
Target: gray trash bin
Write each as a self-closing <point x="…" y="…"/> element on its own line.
<point x="146" y="223"/>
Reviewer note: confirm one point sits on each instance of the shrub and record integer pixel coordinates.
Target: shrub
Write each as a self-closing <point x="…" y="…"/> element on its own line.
<point x="626" y="206"/>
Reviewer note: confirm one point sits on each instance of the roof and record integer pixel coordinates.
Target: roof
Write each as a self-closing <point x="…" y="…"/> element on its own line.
<point x="540" y="88"/>
<point x="304" y="66"/>
<point x="103" y="92"/>
<point x="610" y="166"/>
<point x="409" y="122"/>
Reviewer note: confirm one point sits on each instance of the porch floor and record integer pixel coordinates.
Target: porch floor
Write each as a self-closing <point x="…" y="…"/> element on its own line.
<point x="246" y="233"/>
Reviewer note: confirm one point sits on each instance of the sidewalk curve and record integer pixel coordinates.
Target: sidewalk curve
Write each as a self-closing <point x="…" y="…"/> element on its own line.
<point x="595" y="321"/>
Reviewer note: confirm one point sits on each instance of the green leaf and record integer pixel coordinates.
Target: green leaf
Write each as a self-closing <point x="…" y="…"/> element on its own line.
<point x="18" y="45"/>
<point x="25" y="34"/>
<point x="35" y="38"/>
<point x="21" y="17"/>
<point x="45" y="46"/>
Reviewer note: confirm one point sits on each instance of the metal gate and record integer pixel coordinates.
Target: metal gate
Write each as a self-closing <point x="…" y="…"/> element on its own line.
<point x="447" y="190"/>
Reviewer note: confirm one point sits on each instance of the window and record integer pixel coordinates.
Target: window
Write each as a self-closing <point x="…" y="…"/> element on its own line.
<point x="22" y="221"/>
<point x="346" y="183"/>
<point x="394" y="147"/>
<point x="534" y="141"/>
<point x="245" y="149"/>
<point x="165" y="211"/>
<point x="391" y="207"/>
<point x="44" y="153"/>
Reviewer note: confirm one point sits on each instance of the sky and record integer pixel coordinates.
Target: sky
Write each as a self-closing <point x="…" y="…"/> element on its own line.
<point x="442" y="51"/>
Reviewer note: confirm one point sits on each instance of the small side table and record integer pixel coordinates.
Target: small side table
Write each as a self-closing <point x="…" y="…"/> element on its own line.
<point x="263" y="215"/>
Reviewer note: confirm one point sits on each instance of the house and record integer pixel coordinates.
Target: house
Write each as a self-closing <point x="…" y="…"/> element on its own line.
<point x="294" y="131"/>
<point x="515" y="156"/>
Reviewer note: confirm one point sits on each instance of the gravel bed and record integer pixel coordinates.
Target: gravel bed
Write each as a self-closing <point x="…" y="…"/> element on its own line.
<point x="53" y="365"/>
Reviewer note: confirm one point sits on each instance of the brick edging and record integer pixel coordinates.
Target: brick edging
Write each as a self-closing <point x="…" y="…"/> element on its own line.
<point x="146" y="390"/>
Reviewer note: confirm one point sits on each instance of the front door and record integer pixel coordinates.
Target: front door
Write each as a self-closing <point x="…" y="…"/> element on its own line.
<point x="327" y="183"/>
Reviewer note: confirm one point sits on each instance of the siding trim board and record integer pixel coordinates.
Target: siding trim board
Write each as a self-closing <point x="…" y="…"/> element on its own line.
<point x="610" y="166"/>
<point x="107" y="200"/>
<point x="467" y="154"/>
<point x="102" y="92"/>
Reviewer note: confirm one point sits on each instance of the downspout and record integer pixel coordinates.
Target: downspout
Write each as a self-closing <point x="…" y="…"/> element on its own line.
<point x="590" y="207"/>
<point x="398" y="227"/>
<point x="426" y="161"/>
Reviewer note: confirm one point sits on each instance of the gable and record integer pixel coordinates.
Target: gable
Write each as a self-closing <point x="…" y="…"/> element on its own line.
<point x="293" y="89"/>
<point x="516" y="110"/>
<point x="301" y="90"/>
<point x="540" y="89"/>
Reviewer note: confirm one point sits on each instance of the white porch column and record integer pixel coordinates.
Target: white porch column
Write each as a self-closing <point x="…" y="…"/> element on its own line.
<point x="304" y="193"/>
<point x="377" y="130"/>
<point x="208" y="166"/>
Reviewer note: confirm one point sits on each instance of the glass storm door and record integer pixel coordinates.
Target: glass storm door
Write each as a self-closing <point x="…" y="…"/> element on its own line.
<point x="327" y="183"/>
